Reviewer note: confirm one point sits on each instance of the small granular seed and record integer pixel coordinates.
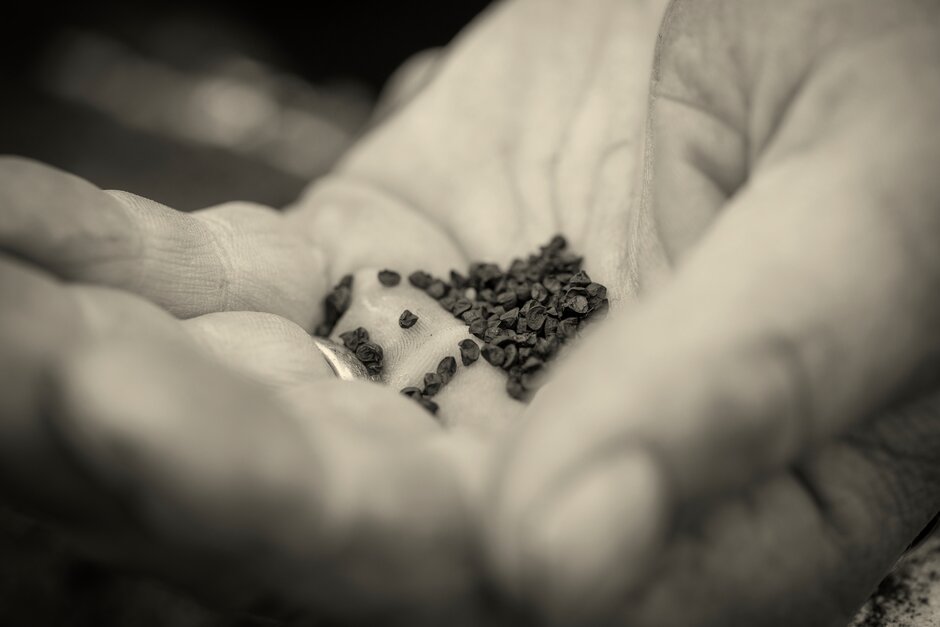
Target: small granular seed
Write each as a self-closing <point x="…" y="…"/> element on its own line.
<point x="432" y="383"/>
<point x="369" y="352"/>
<point x="437" y="289"/>
<point x="428" y="404"/>
<point x="568" y="328"/>
<point x="510" y="354"/>
<point x="515" y="388"/>
<point x="407" y="319"/>
<point x="509" y="318"/>
<point x="469" y="351"/>
<point x="471" y="315"/>
<point x="352" y="339"/>
<point x="580" y="279"/>
<point x="389" y="278"/>
<point x="447" y="368"/>
<point x="493" y="354"/>
<point x="536" y="317"/>
<point x="538" y="293"/>
<point x="478" y="327"/>
<point x="411" y="392"/>
<point x="506" y="298"/>
<point x="461" y="306"/>
<point x="421" y="280"/>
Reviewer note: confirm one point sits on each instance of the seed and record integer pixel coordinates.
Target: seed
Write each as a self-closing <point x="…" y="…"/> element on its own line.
<point x="421" y="280"/>
<point x="428" y="404"/>
<point x="506" y="298"/>
<point x="493" y="354"/>
<point x="461" y="306"/>
<point x="568" y="327"/>
<point x="469" y="351"/>
<point x="596" y="290"/>
<point x="509" y="318"/>
<point x="532" y="363"/>
<point x="536" y="317"/>
<point x="551" y="284"/>
<point x="511" y="352"/>
<point x="437" y="289"/>
<point x="407" y="319"/>
<point x="352" y="339"/>
<point x="411" y="392"/>
<point x="457" y="280"/>
<point x="432" y="383"/>
<point x="478" y="327"/>
<point x="389" y="278"/>
<point x="447" y="368"/>
<point x="538" y="292"/>
<point x="471" y="315"/>
<point x="448" y="302"/>
<point x="580" y="279"/>
<point x="491" y="334"/>
<point x="577" y="303"/>
<point x="369" y="352"/>
<point x="515" y="388"/>
<point x="346" y="281"/>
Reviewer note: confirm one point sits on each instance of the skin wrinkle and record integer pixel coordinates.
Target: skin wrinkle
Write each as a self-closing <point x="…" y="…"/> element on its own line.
<point x="588" y="78"/>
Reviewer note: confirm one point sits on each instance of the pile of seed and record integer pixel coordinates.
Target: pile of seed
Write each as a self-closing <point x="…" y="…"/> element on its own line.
<point x="523" y="315"/>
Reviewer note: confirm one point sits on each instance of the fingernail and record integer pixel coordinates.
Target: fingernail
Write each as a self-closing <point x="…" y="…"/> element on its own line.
<point x="595" y="540"/>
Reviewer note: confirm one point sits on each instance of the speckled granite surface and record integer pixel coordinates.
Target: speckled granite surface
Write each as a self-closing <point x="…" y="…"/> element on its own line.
<point x="910" y="595"/>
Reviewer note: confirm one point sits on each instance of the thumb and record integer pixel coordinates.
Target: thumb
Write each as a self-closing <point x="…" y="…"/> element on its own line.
<point x="806" y="307"/>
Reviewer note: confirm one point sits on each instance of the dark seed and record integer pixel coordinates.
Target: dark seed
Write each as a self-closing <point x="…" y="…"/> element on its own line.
<point x="437" y="289"/>
<point x="506" y="298"/>
<point x="532" y="363"/>
<point x="421" y="280"/>
<point x="515" y="388"/>
<point x="469" y="351"/>
<point x="550" y="327"/>
<point x="374" y="367"/>
<point x="491" y="334"/>
<point x="551" y="284"/>
<point x="510" y="354"/>
<point x="577" y="303"/>
<point x="346" y="281"/>
<point x="478" y="327"/>
<point x="568" y="327"/>
<point x="411" y="392"/>
<point x="538" y="292"/>
<point x="458" y="280"/>
<point x="432" y="383"/>
<point x="596" y="290"/>
<point x="461" y="306"/>
<point x="407" y="319"/>
<point x="389" y="278"/>
<point x="429" y="405"/>
<point x="447" y="368"/>
<point x="448" y="302"/>
<point x="352" y="339"/>
<point x="471" y="315"/>
<point x="536" y="317"/>
<point x="493" y="354"/>
<point x="369" y="352"/>
<point x="580" y="279"/>
<point x="509" y="318"/>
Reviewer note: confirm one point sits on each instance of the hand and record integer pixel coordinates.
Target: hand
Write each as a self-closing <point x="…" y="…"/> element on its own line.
<point x="712" y="458"/>
<point x="776" y="137"/>
<point x="162" y="401"/>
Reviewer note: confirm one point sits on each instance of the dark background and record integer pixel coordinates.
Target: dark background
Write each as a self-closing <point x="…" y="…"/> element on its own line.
<point x="98" y="90"/>
<point x="341" y="53"/>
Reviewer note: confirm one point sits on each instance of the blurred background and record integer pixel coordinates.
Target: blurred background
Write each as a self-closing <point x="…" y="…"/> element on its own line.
<point x="190" y="105"/>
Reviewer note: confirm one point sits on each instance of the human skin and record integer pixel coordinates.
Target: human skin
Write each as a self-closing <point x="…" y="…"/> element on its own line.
<point x="751" y="210"/>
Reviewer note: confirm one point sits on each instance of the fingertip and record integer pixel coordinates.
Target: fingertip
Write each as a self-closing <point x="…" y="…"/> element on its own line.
<point x="588" y="542"/>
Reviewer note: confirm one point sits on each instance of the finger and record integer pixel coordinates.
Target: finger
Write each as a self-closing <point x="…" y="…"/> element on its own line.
<point x="40" y="322"/>
<point x="217" y="469"/>
<point x="803" y="310"/>
<point x="268" y="348"/>
<point x="237" y="256"/>
<point x="802" y="551"/>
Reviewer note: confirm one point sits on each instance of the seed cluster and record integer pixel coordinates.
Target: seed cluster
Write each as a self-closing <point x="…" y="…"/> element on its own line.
<point x="523" y="315"/>
<point x="368" y="352"/>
